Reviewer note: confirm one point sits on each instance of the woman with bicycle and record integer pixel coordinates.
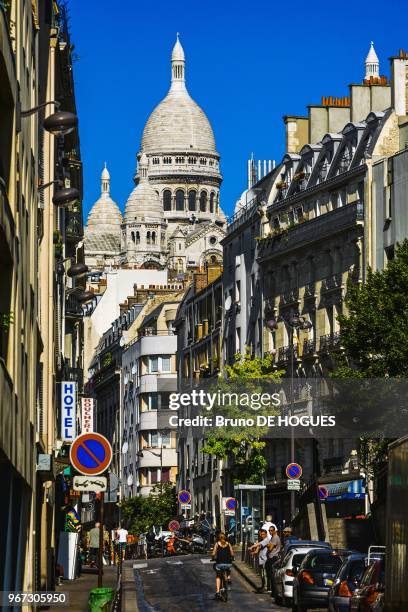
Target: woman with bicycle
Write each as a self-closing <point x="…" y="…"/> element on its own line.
<point x="223" y="555"/>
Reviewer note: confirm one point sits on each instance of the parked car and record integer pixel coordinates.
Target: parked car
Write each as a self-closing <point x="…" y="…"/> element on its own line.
<point x="347" y="580"/>
<point x="315" y="577"/>
<point x="370" y="594"/>
<point x="285" y="572"/>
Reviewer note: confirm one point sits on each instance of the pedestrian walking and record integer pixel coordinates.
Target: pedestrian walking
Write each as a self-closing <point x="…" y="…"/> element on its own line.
<point x="94" y="544"/>
<point x="122" y="535"/>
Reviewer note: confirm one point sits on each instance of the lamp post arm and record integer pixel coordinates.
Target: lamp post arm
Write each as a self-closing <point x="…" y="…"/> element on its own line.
<point x="31" y="111"/>
<point x="42" y="187"/>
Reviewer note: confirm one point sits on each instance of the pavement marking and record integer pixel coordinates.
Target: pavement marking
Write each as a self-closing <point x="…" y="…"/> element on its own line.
<point x="174" y="562"/>
<point x="205" y="561"/>
<point x="139" y="565"/>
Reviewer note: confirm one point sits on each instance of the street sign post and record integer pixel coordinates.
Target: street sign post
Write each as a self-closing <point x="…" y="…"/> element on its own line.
<point x="90" y="454"/>
<point x="184" y="497"/>
<point x="293" y="485"/>
<point x="294" y="471"/>
<point x="97" y="484"/>
<point x="174" y="525"/>
<point x="323" y="492"/>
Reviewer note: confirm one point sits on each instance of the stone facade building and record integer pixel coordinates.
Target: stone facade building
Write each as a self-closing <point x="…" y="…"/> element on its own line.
<point x="172" y="217"/>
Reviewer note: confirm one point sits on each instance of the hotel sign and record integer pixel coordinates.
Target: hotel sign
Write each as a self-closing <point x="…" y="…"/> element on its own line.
<point x="68" y="410"/>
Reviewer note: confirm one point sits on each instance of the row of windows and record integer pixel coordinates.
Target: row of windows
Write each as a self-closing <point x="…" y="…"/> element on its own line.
<point x="151" y="237"/>
<point x="205" y="204"/>
<point x="202" y="161"/>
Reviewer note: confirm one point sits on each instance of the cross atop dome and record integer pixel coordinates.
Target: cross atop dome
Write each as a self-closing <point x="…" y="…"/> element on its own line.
<point x="177" y="66"/>
<point x="372" y="64"/>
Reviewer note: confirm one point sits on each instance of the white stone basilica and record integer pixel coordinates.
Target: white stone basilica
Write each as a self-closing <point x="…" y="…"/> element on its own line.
<point x="172" y="217"/>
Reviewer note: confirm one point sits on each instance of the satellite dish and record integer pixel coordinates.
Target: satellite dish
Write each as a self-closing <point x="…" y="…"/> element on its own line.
<point x="125" y="448"/>
<point x="130" y="480"/>
<point x="228" y="303"/>
<point x="134" y="369"/>
<point x="122" y="341"/>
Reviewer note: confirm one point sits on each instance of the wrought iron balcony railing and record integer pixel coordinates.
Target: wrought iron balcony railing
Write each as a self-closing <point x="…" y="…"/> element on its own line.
<point x="329" y="342"/>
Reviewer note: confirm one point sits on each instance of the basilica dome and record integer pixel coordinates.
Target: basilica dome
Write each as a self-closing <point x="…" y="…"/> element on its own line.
<point x="105" y="216"/>
<point x="143" y="201"/>
<point x="178" y="124"/>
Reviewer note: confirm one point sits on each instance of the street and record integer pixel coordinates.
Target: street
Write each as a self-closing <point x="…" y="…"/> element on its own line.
<point x="188" y="583"/>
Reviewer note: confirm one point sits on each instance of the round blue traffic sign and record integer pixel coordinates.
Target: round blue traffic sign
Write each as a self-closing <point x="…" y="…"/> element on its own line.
<point x="90" y="454"/>
<point x="323" y="492"/>
<point x="294" y="471"/>
<point x="231" y="503"/>
<point x="184" y="497"/>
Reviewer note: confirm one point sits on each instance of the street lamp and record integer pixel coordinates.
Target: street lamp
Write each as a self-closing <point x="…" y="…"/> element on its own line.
<point x="59" y="123"/>
<point x="66" y="196"/>
<point x="76" y="270"/>
<point x="294" y="321"/>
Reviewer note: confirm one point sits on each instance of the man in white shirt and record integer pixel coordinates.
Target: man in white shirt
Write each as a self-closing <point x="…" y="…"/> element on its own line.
<point x="261" y="549"/>
<point x="121" y="538"/>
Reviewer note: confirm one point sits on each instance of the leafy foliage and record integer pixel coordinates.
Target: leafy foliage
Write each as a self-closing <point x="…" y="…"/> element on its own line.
<point x="242" y="446"/>
<point x="374" y="334"/>
<point x="140" y="513"/>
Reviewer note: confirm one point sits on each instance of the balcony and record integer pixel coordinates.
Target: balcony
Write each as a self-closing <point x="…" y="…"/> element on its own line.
<point x="73" y="226"/>
<point x="310" y="290"/>
<point x="314" y="230"/>
<point x="73" y="308"/>
<point x="285" y="353"/>
<point x="309" y="348"/>
<point x="290" y="297"/>
<point x="333" y="282"/>
<point x="334" y="465"/>
<point x="74" y="375"/>
<point x="329" y="342"/>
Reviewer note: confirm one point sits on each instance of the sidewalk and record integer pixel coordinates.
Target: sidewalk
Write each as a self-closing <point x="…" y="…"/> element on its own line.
<point x="78" y="589"/>
<point x="249" y="574"/>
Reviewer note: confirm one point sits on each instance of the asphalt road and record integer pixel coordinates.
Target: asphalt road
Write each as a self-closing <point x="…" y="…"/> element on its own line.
<point x="187" y="584"/>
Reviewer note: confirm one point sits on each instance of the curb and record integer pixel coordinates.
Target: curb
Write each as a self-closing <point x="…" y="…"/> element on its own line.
<point x="246" y="577"/>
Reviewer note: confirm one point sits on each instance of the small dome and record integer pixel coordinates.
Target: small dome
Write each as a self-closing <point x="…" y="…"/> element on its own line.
<point x="144" y="201"/>
<point x="105" y="215"/>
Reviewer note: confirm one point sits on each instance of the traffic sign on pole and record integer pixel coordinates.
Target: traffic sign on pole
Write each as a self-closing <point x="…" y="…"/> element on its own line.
<point x="293" y="484"/>
<point x="90" y="454"/>
<point x="323" y="492"/>
<point x="174" y="525"/>
<point x="231" y="503"/>
<point x="294" y="471"/>
<point x="184" y="497"/>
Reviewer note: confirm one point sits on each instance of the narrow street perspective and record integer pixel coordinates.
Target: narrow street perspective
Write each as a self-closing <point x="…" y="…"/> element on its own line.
<point x="203" y="306"/>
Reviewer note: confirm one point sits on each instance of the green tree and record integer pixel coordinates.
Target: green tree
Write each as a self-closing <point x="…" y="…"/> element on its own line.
<point x="374" y="335"/>
<point x="374" y="332"/>
<point x="243" y="446"/>
<point x="158" y="508"/>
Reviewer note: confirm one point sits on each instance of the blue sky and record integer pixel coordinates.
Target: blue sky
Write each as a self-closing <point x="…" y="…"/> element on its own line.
<point x="248" y="64"/>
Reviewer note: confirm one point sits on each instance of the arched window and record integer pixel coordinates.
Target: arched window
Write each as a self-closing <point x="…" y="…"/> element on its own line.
<point x="132" y="235"/>
<point x="192" y="197"/>
<point x="153" y="237"/>
<point x="137" y="237"/>
<point x="148" y="237"/>
<point x="203" y="201"/>
<point x="167" y="199"/>
<point x="212" y="196"/>
<point x="179" y="199"/>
